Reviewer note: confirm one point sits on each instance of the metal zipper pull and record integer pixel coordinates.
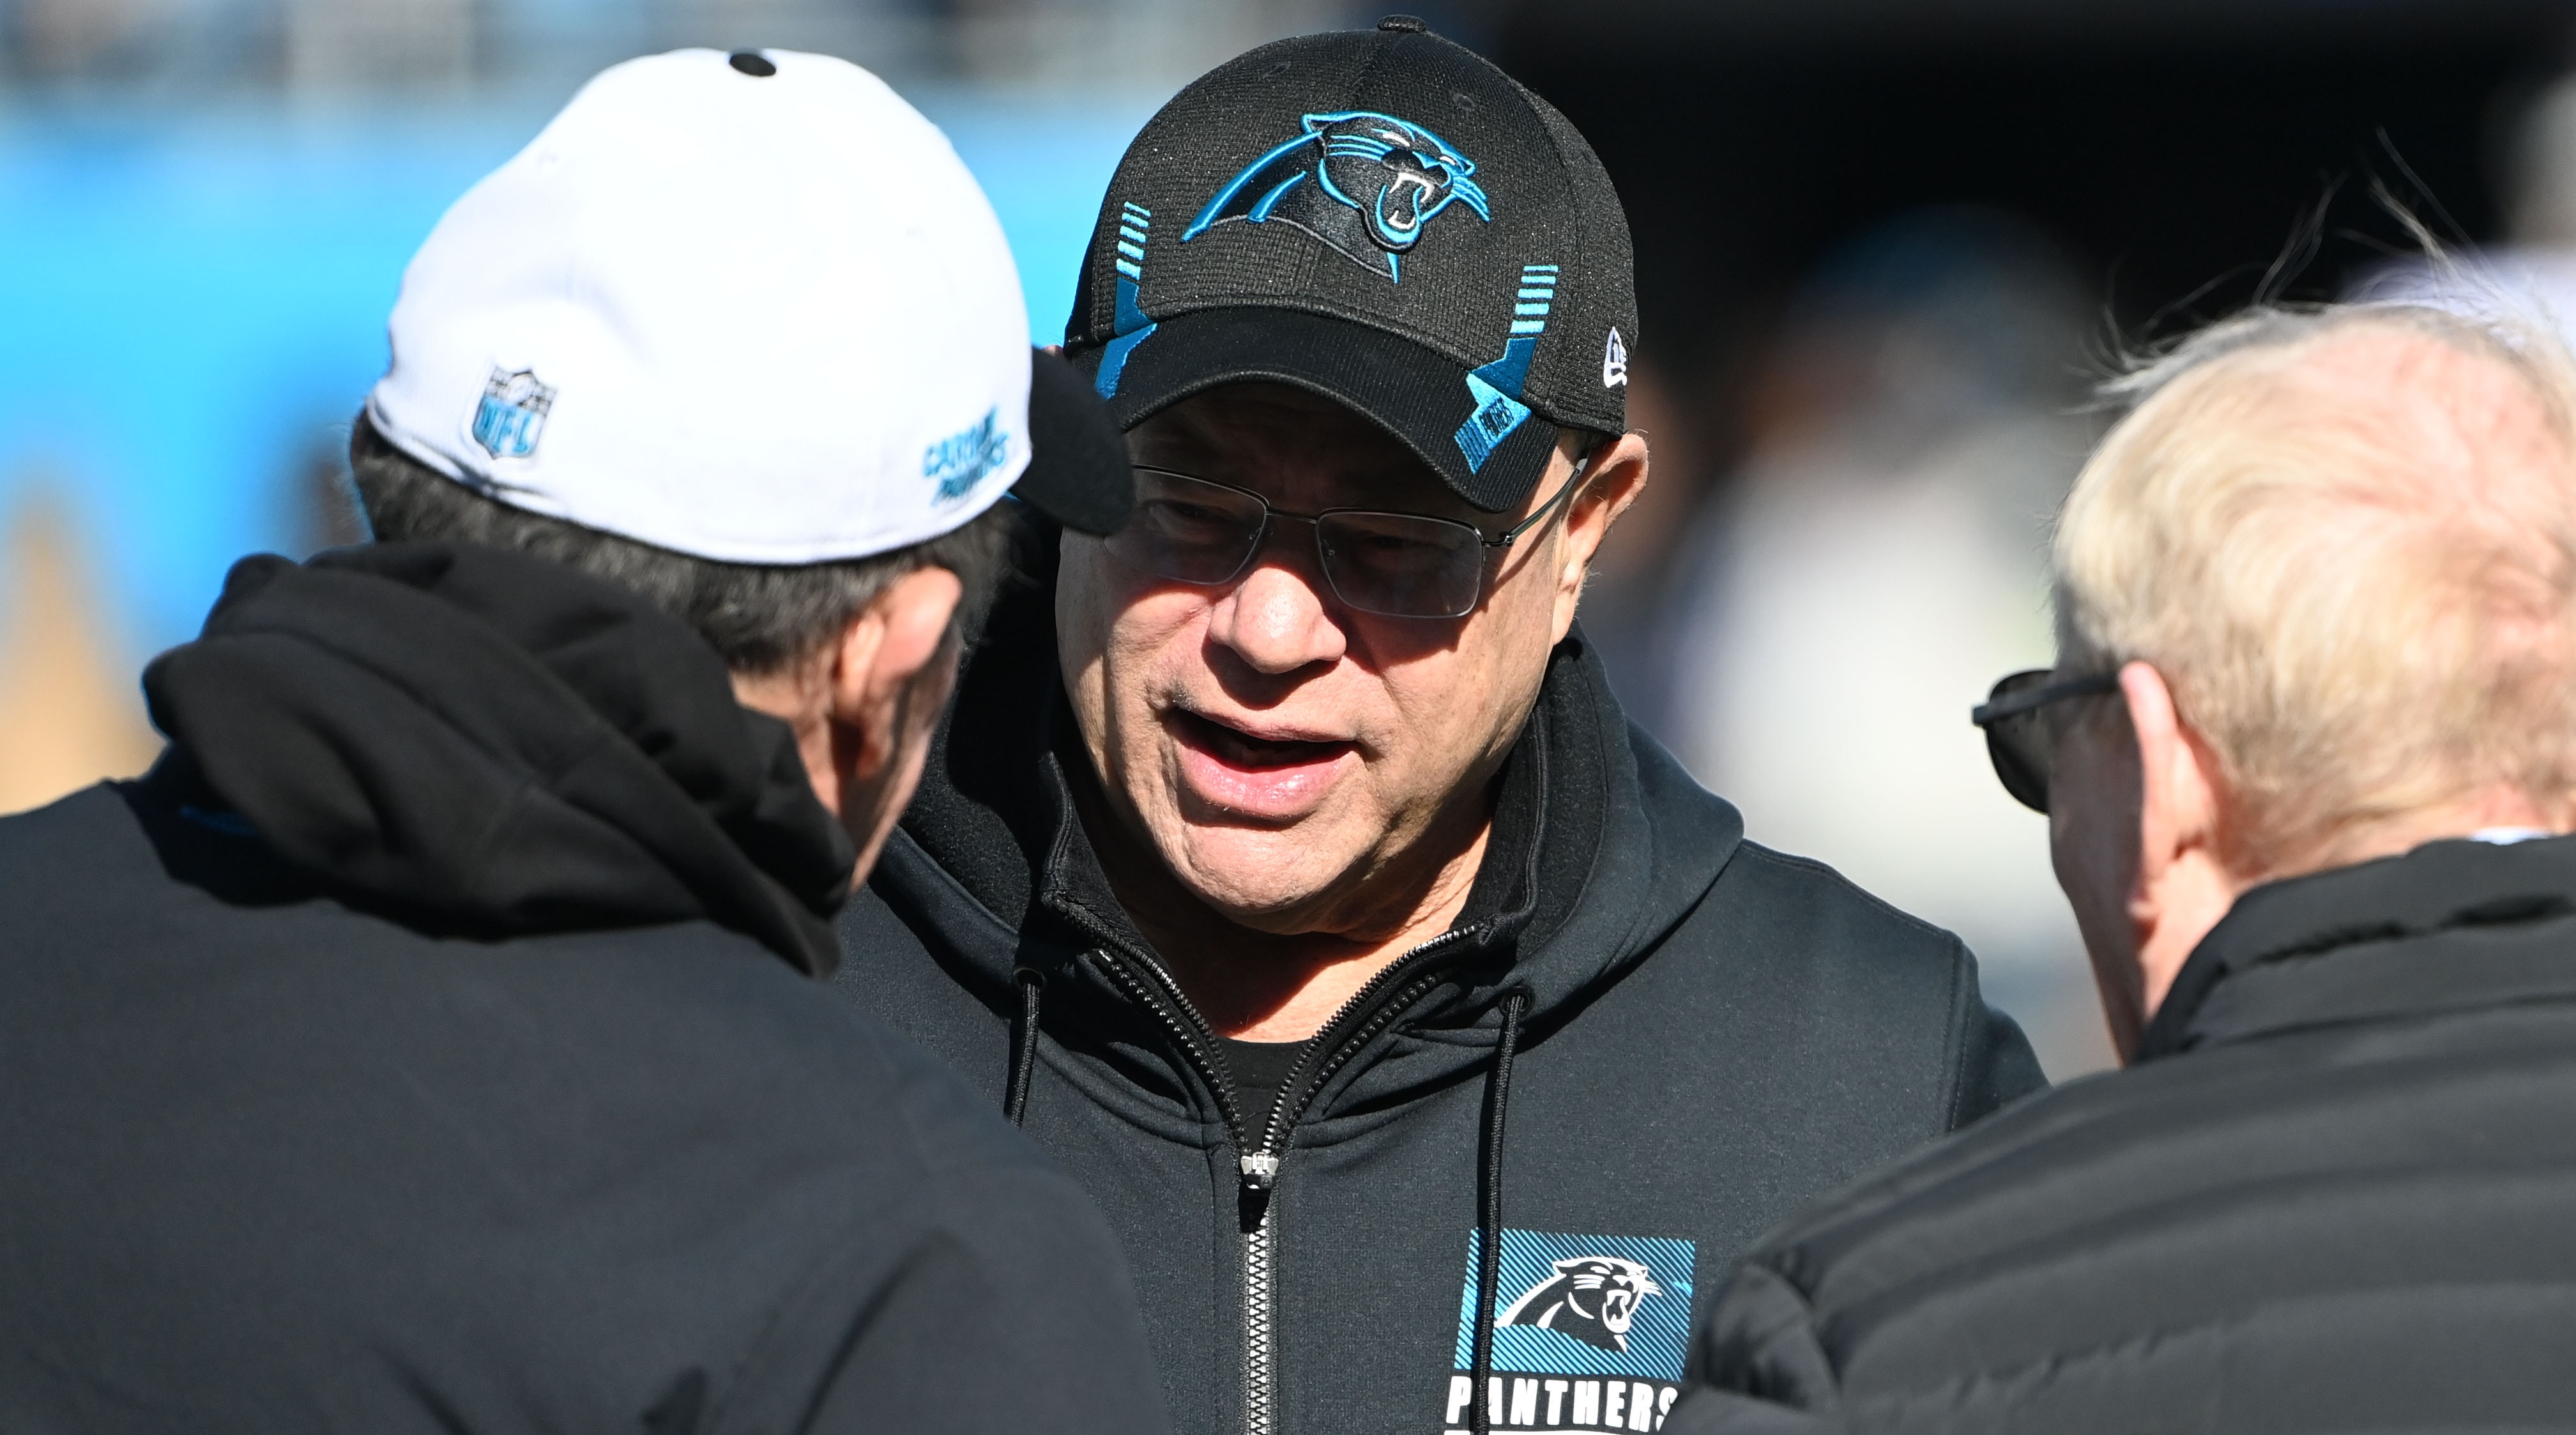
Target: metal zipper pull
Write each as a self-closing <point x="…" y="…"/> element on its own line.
<point x="1260" y="1171"/>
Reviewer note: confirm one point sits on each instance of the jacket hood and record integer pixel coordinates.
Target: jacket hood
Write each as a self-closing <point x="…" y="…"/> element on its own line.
<point x="1602" y="843"/>
<point x="490" y="743"/>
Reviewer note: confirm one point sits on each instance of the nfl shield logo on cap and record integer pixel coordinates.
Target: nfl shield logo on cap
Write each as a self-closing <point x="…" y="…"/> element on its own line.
<point x="512" y="413"/>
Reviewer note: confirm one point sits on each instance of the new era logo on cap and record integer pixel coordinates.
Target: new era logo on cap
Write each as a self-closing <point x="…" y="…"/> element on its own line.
<point x="1379" y="216"/>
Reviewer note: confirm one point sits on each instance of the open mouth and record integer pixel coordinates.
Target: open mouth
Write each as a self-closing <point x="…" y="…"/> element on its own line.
<point x="1252" y="754"/>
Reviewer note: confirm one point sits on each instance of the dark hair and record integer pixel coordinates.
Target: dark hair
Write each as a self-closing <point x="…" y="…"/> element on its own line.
<point x="758" y="617"/>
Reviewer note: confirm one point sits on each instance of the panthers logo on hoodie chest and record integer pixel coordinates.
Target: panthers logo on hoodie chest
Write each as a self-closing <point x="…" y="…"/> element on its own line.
<point x="1589" y="1333"/>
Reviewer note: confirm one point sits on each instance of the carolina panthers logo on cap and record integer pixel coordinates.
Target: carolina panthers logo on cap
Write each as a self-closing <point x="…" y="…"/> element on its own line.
<point x="958" y="462"/>
<point x="1592" y="1298"/>
<point x="1367" y="184"/>
<point x="512" y="415"/>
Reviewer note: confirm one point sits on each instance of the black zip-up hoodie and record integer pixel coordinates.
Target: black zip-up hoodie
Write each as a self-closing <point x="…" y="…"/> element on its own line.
<point x="1644" y="1042"/>
<point x="431" y="1043"/>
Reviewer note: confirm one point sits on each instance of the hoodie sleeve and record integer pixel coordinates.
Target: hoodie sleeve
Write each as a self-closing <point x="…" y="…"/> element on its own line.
<point x="1994" y="1065"/>
<point x="1010" y="1310"/>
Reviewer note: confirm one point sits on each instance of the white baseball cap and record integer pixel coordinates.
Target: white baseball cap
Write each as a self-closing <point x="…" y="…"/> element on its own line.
<point x="749" y="307"/>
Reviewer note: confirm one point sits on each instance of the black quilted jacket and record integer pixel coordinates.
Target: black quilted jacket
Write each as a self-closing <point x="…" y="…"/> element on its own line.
<point x="2337" y="1193"/>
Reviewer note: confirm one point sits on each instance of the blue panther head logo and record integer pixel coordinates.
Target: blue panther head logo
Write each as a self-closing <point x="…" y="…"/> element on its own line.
<point x="1366" y="184"/>
<point x="1592" y="1298"/>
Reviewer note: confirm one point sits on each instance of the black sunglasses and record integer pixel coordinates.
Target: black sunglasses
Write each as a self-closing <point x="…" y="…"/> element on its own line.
<point x="2017" y="736"/>
<point x="1396" y="565"/>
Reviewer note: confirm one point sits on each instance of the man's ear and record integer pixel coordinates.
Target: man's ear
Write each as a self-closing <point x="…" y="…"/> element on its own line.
<point x="901" y="633"/>
<point x="1612" y="481"/>
<point x="2182" y="886"/>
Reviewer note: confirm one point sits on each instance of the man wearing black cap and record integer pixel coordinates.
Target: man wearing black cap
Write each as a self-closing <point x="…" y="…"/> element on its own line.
<point x="1287" y="866"/>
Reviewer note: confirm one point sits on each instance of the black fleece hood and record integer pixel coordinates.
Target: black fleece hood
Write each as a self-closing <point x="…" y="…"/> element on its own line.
<point x="492" y="744"/>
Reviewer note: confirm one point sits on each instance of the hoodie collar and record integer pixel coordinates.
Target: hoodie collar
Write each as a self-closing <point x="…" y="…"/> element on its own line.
<point x="2347" y="945"/>
<point x="493" y="744"/>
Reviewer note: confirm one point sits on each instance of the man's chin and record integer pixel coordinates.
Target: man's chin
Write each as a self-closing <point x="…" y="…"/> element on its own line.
<point x="1274" y="880"/>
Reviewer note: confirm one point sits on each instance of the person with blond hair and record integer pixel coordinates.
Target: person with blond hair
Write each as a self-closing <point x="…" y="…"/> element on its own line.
<point x="2307" y="755"/>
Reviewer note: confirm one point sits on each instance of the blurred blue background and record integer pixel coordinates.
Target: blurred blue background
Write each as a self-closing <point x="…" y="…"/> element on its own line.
<point x="195" y="303"/>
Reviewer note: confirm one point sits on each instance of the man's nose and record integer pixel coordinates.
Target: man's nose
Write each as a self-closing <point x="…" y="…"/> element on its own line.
<point x="1278" y="617"/>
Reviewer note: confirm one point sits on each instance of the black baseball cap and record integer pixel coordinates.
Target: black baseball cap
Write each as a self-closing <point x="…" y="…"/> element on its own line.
<point x="1381" y="217"/>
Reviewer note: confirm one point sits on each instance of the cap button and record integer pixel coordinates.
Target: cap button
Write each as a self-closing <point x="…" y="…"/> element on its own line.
<point x="752" y="63"/>
<point x="1405" y="24"/>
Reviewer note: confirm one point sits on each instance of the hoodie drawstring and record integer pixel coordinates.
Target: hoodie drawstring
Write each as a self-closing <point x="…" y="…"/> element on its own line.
<point x="1024" y="1043"/>
<point x="1489" y="1222"/>
<point x="1489" y="1175"/>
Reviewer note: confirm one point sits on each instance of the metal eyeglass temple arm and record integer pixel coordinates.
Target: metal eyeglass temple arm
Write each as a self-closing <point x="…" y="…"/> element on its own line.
<point x="1573" y="481"/>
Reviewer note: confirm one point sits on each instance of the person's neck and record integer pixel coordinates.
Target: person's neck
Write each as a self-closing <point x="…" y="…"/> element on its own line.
<point x="2196" y="893"/>
<point x="1254" y="985"/>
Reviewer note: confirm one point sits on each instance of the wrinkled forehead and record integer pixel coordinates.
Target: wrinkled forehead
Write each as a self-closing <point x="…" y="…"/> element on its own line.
<point x="1300" y="450"/>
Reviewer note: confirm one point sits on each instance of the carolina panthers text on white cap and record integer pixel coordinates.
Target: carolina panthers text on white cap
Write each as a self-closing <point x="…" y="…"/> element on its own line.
<point x="757" y="317"/>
